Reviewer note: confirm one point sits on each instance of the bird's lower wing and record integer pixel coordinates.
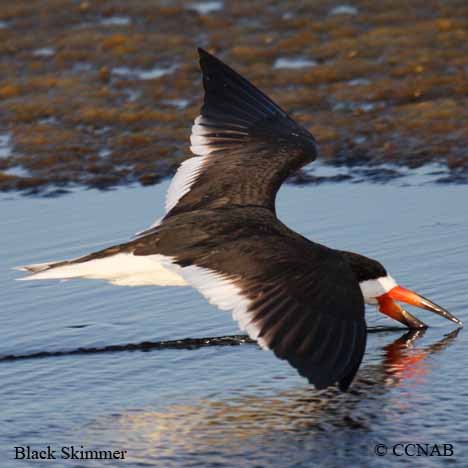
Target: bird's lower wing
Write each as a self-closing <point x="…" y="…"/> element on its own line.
<point x="306" y="306"/>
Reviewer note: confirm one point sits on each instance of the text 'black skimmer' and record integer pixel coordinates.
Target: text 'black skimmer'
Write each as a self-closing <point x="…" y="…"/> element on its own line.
<point x="220" y="234"/>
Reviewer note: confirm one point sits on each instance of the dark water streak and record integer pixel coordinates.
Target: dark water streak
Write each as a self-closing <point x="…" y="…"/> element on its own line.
<point x="185" y="343"/>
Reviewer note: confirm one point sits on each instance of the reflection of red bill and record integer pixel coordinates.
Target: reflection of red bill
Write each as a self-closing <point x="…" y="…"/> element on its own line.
<point x="410" y="368"/>
<point x="388" y="306"/>
<point x="405" y="364"/>
<point x="404" y="361"/>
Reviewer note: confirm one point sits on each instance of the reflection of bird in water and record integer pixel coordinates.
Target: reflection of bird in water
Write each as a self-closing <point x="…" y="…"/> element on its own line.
<point x="220" y="234"/>
<point x="239" y="423"/>
<point x="402" y="361"/>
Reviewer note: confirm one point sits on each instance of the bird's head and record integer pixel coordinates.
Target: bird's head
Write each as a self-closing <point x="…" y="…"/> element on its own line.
<point x="380" y="289"/>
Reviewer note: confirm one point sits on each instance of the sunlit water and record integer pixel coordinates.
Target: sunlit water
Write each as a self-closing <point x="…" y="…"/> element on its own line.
<point x="228" y="406"/>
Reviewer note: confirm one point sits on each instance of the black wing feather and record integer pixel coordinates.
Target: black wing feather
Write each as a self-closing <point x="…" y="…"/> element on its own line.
<point x="250" y="145"/>
<point x="303" y="298"/>
<point x="223" y="87"/>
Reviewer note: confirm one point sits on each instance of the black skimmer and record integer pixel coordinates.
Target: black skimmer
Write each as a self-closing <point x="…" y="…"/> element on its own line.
<point x="220" y="234"/>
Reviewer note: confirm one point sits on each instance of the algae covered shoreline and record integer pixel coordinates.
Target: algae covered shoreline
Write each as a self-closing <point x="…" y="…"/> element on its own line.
<point x="103" y="93"/>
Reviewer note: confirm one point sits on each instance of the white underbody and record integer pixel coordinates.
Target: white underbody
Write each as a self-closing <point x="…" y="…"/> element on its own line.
<point x="122" y="269"/>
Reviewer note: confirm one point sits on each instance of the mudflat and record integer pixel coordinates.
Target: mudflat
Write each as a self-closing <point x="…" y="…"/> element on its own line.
<point x="103" y="93"/>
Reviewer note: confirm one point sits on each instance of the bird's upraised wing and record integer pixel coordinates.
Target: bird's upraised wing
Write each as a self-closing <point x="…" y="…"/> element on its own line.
<point x="245" y="146"/>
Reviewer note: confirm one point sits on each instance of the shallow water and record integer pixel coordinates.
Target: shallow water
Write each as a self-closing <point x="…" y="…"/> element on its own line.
<point x="234" y="405"/>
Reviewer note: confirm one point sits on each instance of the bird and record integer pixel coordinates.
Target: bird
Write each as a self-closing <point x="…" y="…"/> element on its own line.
<point x="220" y="234"/>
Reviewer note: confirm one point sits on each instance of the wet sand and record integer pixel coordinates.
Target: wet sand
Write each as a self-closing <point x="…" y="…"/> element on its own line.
<point x="103" y="93"/>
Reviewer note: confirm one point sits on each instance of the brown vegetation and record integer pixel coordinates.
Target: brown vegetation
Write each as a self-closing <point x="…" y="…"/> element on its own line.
<point x="78" y="101"/>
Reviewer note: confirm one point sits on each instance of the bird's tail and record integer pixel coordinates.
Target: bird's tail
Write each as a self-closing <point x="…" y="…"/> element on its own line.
<point x="118" y="265"/>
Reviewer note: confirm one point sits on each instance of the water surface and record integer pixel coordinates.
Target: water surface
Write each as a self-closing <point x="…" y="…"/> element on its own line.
<point x="229" y="406"/>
